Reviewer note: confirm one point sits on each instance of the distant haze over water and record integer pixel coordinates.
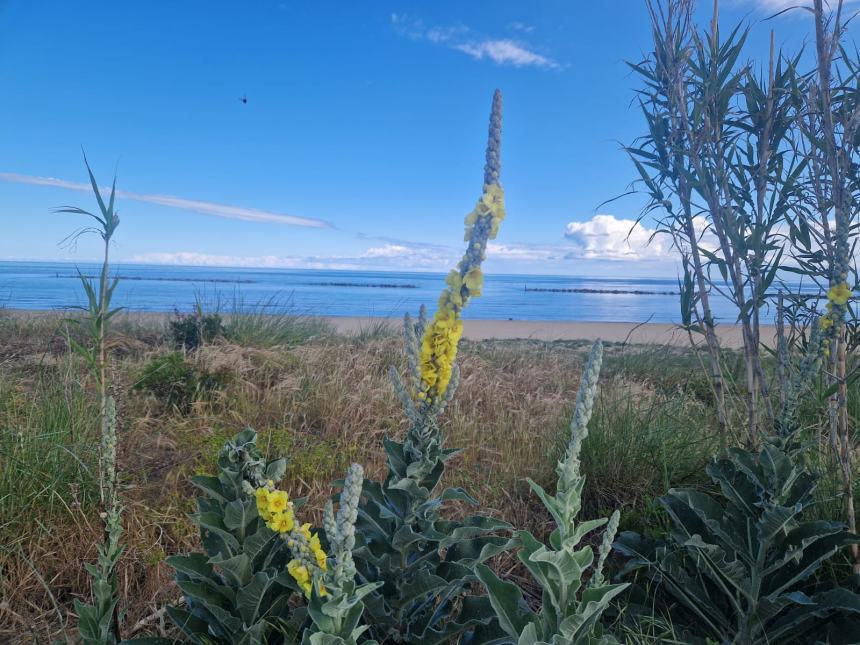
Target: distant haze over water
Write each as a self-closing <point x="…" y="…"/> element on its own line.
<point x="54" y="285"/>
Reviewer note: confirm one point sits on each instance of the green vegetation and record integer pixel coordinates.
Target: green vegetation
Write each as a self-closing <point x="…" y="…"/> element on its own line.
<point x="176" y="381"/>
<point x="725" y="471"/>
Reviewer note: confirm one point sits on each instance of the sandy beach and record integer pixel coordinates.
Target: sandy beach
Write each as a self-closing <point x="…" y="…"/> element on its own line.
<point x="637" y="333"/>
<point x="546" y="330"/>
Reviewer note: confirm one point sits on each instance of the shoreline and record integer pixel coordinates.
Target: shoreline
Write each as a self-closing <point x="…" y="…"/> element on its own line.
<point x="730" y="336"/>
<point x="651" y="333"/>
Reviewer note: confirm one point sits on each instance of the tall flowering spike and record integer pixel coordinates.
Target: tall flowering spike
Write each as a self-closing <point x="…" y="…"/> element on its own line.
<point x="603" y="551"/>
<point x="493" y="167"/>
<point x="442" y="335"/>
<point x="569" y="467"/>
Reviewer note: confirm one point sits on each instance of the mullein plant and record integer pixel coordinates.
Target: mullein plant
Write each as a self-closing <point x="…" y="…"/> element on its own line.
<point x="571" y="607"/>
<point x="745" y="562"/>
<point x="265" y="577"/>
<point x="425" y="562"/>
<point x="257" y="556"/>
<point x="336" y="607"/>
<point x="99" y="622"/>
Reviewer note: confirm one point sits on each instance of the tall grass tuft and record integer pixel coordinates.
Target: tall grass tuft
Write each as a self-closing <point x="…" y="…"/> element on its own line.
<point x="270" y="323"/>
<point x="46" y="453"/>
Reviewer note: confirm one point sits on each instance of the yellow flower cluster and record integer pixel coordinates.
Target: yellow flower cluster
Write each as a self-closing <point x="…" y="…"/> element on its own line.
<point x="313" y="541"/>
<point x="837" y="295"/>
<point x="301" y="574"/>
<point x="492" y="204"/>
<point x="442" y="336"/>
<point x="275" y="507"/>
<point x="438" y="353"/>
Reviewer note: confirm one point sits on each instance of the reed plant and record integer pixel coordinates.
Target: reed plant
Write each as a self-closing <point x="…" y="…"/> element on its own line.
<point x="99" y="622"/>
<point x="750" y="173"/>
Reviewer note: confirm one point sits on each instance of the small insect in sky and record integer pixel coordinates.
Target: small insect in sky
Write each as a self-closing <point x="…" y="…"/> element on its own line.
<point x="244" y="99"/>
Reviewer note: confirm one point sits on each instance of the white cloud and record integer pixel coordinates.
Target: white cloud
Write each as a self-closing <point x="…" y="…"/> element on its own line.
<point x="191" y="258"/>
<point x="780" y="5"/>
<point x="388" y="256"/>
<point x="521" y="26"/>
<point x="415" y="256"/>
<point x="526" y="252"/>
<point x="505" y="52"/>
<point x="207" y="208"/>
<point x="605" y="237"/>
<point x="502" y="51"/>
<point x="395" y="255"/>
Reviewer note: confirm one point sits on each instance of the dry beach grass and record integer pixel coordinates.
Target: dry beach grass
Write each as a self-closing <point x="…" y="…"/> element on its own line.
<point x="322" y="402"/>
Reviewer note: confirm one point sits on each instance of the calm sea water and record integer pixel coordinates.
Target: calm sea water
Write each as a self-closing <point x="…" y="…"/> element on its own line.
<point x="35" y="285"/>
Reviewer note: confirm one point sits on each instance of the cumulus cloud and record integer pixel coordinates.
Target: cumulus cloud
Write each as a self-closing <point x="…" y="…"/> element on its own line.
<point x="502" y="51"/>
<point x="207" y="208"/>
<point x="605" y="237"/>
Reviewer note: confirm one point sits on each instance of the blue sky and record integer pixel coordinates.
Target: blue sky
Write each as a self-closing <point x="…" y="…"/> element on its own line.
<point x="365" y="122"/>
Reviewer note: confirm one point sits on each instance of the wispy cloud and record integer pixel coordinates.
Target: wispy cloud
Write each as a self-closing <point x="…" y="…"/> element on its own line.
<point x="388" y="256"/>
<point x="207" y="208"/>
<point x="400" y="255"/>
<point x="522" y="26"/>
<point x="500" y="50"/>
<point x="505" y="52"/>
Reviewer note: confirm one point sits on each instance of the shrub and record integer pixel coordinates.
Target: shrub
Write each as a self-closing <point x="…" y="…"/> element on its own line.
<point x="176" y="382"/>
<point x="736" y="567"/>
<point x="190" y="331"/>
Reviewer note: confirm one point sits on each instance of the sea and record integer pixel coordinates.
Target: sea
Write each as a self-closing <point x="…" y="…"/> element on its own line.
<point x="56" y="285"/>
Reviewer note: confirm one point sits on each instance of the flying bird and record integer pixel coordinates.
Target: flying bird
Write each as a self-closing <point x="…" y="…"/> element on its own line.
<point x="244" y="99"/>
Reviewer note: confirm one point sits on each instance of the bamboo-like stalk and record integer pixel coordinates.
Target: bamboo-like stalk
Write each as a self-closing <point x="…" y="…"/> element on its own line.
<point x="708" y="160"/>
<point x="781" y="350"/>
<point x="671" y="33"/>
<point x="837" y="136"/>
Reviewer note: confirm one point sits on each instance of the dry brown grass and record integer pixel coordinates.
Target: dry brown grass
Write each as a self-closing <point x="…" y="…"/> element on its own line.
<point x="322" y="405"/>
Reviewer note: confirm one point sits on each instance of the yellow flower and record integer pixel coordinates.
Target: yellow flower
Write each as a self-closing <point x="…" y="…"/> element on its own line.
<point x="262" y="497"/>
<point x="839" y="294"/>
<point x="306" y="531"/>
<point x="826" y="323"/>
<point x="301" y="575"/>
<point x="278" y="501"/>
<point x="474" y="280"/>
<point x="321" y="558"/>
<point x="454" y="280"/>
<point x="282" y="522"/>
